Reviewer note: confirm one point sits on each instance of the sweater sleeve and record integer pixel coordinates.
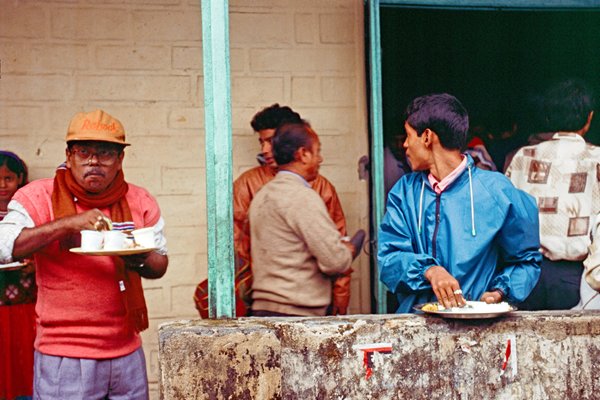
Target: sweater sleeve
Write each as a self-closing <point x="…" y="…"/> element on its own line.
<point x="322" y="238"/>
<point x="11" y="226"/>
<point x="341" y="285"/>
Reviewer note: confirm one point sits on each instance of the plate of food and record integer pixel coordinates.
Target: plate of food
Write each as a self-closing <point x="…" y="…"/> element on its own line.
<point x="106" y="252"/>
<point x="12" y="266"/>
<point x="472" y="310"/>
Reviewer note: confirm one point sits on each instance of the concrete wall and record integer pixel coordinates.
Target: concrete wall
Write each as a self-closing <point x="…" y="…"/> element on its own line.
<point x="553" y="356"/>
<point x="141" y="61"/>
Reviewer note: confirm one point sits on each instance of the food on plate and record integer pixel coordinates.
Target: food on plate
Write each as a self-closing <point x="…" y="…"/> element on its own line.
<point x="430" y="307"/>
<point x="483" y="307"/>
<point x="473" y="307"/>
<point x="476" y="307"/>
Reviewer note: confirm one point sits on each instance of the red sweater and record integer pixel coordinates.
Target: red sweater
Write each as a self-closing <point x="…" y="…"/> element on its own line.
<point x="80" y="309"/>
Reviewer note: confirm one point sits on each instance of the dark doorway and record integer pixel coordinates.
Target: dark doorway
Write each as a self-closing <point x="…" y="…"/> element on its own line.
<point x="495" y="62"/>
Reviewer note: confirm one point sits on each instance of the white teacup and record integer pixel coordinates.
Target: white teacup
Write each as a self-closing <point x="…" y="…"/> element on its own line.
<point x="144" y="237"/>
<point x="114" y="240"/>
<point x="91" y="240"/>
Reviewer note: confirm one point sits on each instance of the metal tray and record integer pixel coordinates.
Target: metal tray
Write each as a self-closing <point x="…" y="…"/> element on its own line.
<point x="459" y="313"/>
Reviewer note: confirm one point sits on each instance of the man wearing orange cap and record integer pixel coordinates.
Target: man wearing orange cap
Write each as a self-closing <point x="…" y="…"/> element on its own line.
<point x="90" y="309"/>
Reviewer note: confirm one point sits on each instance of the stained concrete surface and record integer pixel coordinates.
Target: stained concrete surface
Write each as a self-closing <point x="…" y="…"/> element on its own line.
<point x="554" y="355"/>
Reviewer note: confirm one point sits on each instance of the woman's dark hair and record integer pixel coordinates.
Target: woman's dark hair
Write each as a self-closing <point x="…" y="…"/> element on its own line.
<point x="14" y="164"/>
<point x="443" y="114"/>
<point x="289" y="138"/>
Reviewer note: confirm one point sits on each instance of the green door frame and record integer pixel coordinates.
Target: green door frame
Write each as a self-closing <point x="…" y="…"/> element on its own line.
<point x="219" y="160"/>
<point x="375" y="82"/>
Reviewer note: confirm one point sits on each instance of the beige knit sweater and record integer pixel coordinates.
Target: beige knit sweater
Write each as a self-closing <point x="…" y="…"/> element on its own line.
<point x="296" y="248"/>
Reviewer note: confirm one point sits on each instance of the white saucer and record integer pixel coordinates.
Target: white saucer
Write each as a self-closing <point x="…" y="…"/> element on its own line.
<point x="12" y="266"/>
<point x="122" y="252"/>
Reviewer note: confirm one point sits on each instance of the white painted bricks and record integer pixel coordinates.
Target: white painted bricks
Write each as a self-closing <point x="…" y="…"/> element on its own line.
<point x="141" y="61"/>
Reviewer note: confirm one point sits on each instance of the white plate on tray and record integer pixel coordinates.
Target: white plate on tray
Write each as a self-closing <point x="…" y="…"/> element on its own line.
<point x="12" y="266"/>
<point x="473" y="310"/>
<point x="122" y="252"/>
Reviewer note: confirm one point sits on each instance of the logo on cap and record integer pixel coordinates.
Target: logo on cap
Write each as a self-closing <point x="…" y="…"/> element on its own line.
<point x="96" y="126"/>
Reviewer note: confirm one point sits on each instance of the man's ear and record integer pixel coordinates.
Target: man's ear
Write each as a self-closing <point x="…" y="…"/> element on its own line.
<point x="121" y="156"/>
<point x="427" y="137"/>
<point x="586" y="127"/>
<point x="431" y="138"/>
<point x="67" y="158"/>
<point x="301" y="155"/>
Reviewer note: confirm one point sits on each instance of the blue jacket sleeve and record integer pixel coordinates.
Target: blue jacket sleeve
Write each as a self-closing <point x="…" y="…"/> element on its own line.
<point x="401" y="264"/>
<point x="519" y="241"/>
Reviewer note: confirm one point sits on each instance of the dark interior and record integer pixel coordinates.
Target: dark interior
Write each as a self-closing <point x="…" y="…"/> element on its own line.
<point x="495" y="62"/>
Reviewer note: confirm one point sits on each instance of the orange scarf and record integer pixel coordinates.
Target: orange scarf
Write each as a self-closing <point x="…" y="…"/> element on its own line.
<point x="66" y="192"/>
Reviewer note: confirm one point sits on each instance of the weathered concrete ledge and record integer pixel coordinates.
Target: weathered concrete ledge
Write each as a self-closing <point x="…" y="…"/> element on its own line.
<point x="554" y="355"/>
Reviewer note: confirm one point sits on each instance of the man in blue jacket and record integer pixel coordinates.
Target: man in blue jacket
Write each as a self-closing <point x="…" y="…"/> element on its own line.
<point x="452" y="231"/>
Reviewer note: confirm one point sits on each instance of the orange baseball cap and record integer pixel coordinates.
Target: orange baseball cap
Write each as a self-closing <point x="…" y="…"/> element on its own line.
<point x="96" y="125"/>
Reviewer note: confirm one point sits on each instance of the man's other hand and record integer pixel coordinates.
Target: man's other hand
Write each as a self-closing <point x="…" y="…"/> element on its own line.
<point x="495" y="296"/>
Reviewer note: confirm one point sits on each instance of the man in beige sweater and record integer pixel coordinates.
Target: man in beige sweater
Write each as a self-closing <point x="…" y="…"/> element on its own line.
<point x="296" y="248"/>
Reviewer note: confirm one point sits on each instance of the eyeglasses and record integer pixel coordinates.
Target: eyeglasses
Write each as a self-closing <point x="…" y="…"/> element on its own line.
<point x="104" y="156"/>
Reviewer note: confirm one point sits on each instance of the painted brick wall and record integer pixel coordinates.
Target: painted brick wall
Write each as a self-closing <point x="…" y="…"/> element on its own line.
<point x="141" y="61"/>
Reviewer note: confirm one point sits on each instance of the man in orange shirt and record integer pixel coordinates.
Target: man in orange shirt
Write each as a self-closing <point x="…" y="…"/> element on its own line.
<point x="265" y="122"/>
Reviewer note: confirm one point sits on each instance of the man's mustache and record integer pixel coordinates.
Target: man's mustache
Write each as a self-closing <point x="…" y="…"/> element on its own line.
<point x="94" y="171"/>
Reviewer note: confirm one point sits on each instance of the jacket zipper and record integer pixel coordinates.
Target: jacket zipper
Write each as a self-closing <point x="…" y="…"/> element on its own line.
<point x="437" y="223"/>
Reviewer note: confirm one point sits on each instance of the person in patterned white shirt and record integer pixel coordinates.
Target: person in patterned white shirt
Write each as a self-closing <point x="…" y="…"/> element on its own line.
<point x="563" y="174"/>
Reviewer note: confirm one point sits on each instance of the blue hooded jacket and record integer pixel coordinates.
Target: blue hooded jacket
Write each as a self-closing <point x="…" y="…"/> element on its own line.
<point x="483" y="230"/>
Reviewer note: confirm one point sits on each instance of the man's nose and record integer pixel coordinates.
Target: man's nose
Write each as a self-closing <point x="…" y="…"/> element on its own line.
<point x="266" y="147"/>
<point x="2" y="183"/>
<point x="93" y="159"/>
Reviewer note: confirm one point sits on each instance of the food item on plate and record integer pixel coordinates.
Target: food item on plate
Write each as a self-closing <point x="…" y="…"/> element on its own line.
<point x="479" y="307"/>
<point x="430" y="307"/>
<point x="472" y="307"/>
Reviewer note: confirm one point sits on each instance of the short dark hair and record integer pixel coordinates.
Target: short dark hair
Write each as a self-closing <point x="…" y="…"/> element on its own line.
<point x="567" y="105"/>
<point x="443" y="114"/>
<point x="14" y="163"/>
<point x="273" y="116"/>
<point x="289" y="138"/>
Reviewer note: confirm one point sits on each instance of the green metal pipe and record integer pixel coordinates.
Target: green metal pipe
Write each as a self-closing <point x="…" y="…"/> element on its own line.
<point x="376" y="124"/>
<point x="219" y="176"/>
